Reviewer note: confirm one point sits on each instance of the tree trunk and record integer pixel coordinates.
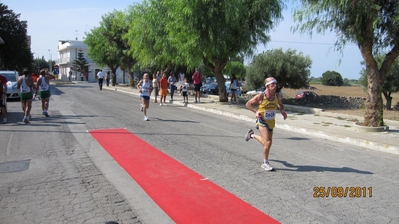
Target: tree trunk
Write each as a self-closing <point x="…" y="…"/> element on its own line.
<point x="388" y="98"/>
<point x="168" y="69"/>
<point x="221" y="85"/>
<point x="114" y="76"/>
<point x="374" y="104"/>
<point x="217" y="68"/>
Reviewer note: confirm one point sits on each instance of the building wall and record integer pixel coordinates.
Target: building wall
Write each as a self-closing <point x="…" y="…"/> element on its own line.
<point x="68" y="52"/>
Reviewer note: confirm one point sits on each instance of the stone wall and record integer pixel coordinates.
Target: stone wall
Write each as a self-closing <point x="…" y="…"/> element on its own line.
<point x="327" y="101"/>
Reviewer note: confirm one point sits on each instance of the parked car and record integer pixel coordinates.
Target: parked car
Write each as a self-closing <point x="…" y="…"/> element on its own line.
<point x="211" y="88"/>
<point x="305" y="94"/>
<point x="256" y="91"/>
<point x="12" y="78"/>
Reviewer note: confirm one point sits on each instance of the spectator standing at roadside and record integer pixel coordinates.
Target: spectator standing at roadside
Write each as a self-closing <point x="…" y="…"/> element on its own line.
<point x="171" y="81"/>
<point x="159" y="76"/>
<point x="164" y="89"/>
<point x="181" y="78"/>
<point x="108" y="77"/>
<point x="145" y="88"/>
<point x="25" y="85"/>
<point x="100" y="76"/>
<point x="43" y="87"/>
<point x="268" y="102"/>
<point x="3" y="97"/>
<point x="184" y="88"/>
<point x="233" y="88"/>
<point x="155" y="85"/>
<point x="197" y="79"/>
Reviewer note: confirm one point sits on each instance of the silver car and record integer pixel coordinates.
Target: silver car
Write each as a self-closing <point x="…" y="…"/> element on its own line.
<point x="12" y="79"/>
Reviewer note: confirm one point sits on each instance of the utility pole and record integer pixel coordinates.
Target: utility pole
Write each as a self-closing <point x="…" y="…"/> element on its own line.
<point x="50" y="62"/>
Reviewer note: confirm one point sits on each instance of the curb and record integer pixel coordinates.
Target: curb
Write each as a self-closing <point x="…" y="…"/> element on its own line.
<point x="348" y="140"/>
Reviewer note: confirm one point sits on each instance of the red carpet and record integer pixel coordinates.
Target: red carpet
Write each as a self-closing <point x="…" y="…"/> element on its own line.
<point x="182" y="193"/>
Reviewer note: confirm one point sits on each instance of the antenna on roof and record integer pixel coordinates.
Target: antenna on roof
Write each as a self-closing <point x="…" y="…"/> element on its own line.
<point x="76" y="34"/>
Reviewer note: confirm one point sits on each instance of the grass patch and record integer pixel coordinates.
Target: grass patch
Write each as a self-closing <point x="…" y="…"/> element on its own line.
<point x="340" y="118"/>
<point x="346" y="126"/>
<point x="327" y="123"/>
<point x="316" y="123"/>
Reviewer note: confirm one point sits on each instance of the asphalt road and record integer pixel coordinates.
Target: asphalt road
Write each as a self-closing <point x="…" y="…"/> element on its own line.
<point x="71" y="179"/>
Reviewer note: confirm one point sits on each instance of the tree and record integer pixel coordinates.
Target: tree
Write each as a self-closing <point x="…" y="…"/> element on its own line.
<point x="371" y="24"/>
<point x="40" y="63"/>
<point x="332" y="78"/>
<point x="100" y="50"/>
<point x="81" y="63"/>
<point x="120" y="28"/>
<point x="289" y="68"/>
<point x="235" y="66"/>
<point x="149" y="39"/>
<point x="215" y="31"/>
<point x="391" y="83"/>
<point x="15" y="53"/>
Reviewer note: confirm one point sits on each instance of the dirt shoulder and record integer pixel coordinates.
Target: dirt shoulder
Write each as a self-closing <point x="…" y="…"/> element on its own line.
<point x="388" y="114"/>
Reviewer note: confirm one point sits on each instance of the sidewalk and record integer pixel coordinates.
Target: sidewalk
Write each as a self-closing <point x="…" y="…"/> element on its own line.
<point x="315" y="122"/>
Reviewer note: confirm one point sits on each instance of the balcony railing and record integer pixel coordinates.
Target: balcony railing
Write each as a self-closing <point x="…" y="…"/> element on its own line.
<point x="67" y="60"/>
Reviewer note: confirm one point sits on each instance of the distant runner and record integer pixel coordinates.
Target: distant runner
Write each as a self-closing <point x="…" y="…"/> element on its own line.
<point x="43" y="86"/>
<point x="25" y="86"/>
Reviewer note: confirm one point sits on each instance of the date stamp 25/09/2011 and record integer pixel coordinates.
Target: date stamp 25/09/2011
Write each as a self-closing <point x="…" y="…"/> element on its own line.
<point x="342" y="192"/>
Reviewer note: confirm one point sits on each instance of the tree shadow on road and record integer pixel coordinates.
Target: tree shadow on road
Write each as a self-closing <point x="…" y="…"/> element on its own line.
<point x="309" y="168"/>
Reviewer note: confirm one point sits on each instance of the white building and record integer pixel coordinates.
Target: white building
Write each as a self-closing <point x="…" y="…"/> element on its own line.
<point x="68" y="52"/>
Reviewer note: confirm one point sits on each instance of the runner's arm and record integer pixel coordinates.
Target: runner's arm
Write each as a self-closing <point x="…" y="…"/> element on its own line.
<point x="39" y="81"/>
<point x="251" y="102"/>
<point x="139" y="85"/>
<point x="281" y="107"/>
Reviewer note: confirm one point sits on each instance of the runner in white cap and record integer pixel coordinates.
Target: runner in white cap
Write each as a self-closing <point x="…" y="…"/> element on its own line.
<point x="268" y="102"/>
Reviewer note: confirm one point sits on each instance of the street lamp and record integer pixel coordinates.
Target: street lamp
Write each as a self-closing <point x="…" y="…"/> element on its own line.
<point x="50" y="62"/>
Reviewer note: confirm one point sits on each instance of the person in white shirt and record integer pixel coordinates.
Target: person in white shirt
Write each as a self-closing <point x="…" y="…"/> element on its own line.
<point x="100" y="76"/>
<point x="184" y="89"/>
<point x="43" y="87"/>
<point x="145" y="89"/>
<point x="155" y="85"/>
<point x="233" y="88"/>
<point x="181" y="79"/>
<point x="25" y="86"/>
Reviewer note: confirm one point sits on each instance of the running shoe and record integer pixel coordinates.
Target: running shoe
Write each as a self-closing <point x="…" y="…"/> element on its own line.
<point x="45" y="113"/>
<point x="146" y="118"/>
<point x="248" y="135"/>
<point x="141" y="107"/>
<point x="160" y="104"/>
<point x="25" y="120"/>
<point x="267" y="167"/>
<point x="29" y="117"/>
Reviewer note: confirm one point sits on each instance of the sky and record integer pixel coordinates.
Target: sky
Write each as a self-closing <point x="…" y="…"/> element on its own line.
<point x="50" y="21"/>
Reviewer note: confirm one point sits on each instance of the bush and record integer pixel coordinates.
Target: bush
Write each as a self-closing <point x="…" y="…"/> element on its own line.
<point x="332" y="78"/>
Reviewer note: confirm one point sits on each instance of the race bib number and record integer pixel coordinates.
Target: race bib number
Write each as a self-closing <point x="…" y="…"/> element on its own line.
<point x="269" y="115"/>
